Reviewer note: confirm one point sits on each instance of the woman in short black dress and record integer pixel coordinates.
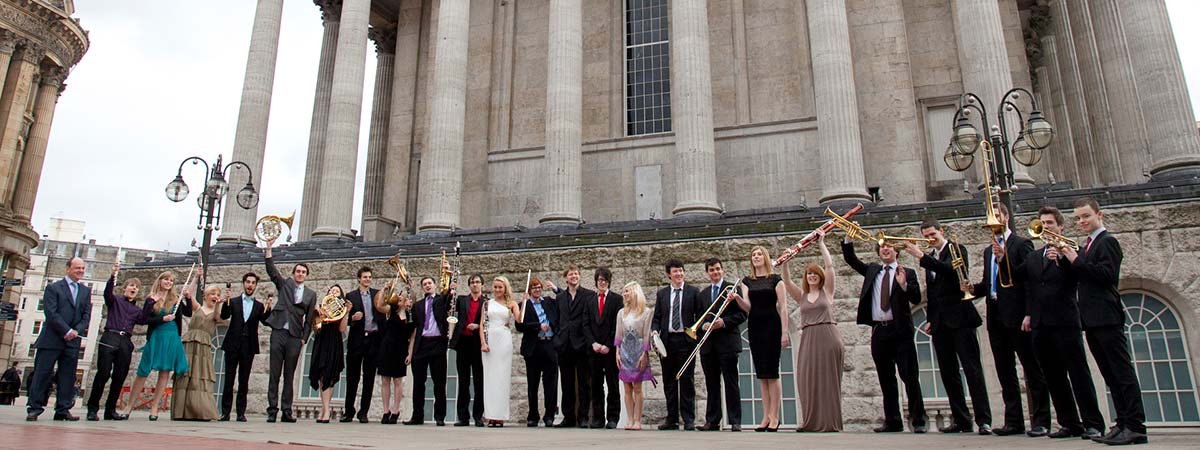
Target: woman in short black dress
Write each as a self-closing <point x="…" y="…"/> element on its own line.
<point x="328" y="359"/>
<point x="393" y="349"/>
<point x="763" y="299"/>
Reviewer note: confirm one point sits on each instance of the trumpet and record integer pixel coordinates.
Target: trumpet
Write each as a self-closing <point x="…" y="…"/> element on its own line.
<point x="900" y="242"/>
<point x="724" y="299"/>
<point x="1038" y="230"/>
<point x="959" y="263"/>
<point x="1004" y="275"/>
<point x="853" y="229"/>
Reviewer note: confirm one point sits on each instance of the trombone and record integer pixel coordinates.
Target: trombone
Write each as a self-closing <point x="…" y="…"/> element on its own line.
<point x="992" y="197"/>
<point x="1038" y="230"/>
<point x="724" y="299"/>
<point x="900" y="242"/>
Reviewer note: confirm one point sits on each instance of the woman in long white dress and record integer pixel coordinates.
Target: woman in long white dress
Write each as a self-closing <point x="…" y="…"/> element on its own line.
<point x="497" y="347"/>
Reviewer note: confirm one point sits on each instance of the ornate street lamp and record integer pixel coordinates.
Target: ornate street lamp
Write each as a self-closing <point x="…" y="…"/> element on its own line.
<point x="211" y="199"/>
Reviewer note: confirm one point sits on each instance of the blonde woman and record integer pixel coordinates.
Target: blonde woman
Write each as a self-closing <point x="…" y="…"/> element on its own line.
<point x="496" y="344"/>
<point x="765" y="302"/>
<point x="163" y="351"/>
<point x="820" y="352"/>
<point x="633" y="350"/>
<point x="192" y="398"/>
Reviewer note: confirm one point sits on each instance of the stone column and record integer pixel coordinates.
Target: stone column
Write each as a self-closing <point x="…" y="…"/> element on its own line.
<point x="1073" y="95"/>
<point x="14" y="101"/>
<point x="1062" y="148"/>
<point x="345" y="113"/>
<point x="377" y="143"/>
<point x="50" y="86"/>
<point x="564" y="115"/>
<point x="1104" y="140"/>
<point x="8" y="46"/>
<point x="310" y="204"/>
<point x="1170" y="123"/>
<point x="838" y="135"/>
<point x="438" y="207"/>
<point x="691" y="111"/>
<point x="250" y="139"/>
<point x="1117" y="68"/>
<point x="402" y="123"/>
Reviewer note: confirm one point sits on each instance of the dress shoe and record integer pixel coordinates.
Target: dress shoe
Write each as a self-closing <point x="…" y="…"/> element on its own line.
<point x="363" y="417"/>
<point x="346" y="418"/>
<point x="441" y="422"/>
<point x="956" y="428"/>
<point x="1090" y="433"/>
<point x="1125" y="437"/>
<point x="116" y="416"/>
<point x="287" y="417"/>
<point x="66" y="417"/>
<point x="1112" y="431"/>
<point x="349" y="412"/>
<point x="584" y="424"/>
<point x="709" y="427"/>
<point x="985" y="429"/>
<point x="735" y="428"/>
<point x="479" y="422"/>
<point x="270" y="418"/>
<point x="549" y="423"/>
<point x="1038" y="431"/>
<point x="611" y="425"/>
<point x="241" y="418"/>
<point x="1064" y="433"/>
<point x="531" y="423"/>
<point x="92" y="416"/>
<point x="668" y="426"/>
<point x="1007" y="431"/>
<point x="918" y="429"/>
<point x="462" y="423"/>
<point x="565" y="424"/>
<point x="888" y="429"/>
<point x="224" y="418"/>
<point x="689" y="427"/>
<point x="31" y="418"/>
<point x="596" y="424"/>
<point x="414" y="421"/>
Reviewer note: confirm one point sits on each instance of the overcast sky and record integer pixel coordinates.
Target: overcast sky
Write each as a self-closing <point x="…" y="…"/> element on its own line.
<point x="162" y="81"/>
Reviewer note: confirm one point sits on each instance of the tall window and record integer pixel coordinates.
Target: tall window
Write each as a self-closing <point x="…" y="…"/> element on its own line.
<point x="219" y="365"/>
<point x="1159" y="352"/>
<point x="306" y="389"/>
<point x="932" y="387"/>
<point x="37" y="327"/>
<point x="647" y="68"/>
<point x="752" y="404"/>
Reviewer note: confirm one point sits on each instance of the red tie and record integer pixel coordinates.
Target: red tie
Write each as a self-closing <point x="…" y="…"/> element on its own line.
<point x="1087" y="245"/>
<point x="601" y="303"/>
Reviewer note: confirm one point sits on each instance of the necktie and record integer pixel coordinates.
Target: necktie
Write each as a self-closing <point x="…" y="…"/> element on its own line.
<point x="885" y="290"/>
<point x="601" y="304"/>
<point x="74" y="292"/>
<point x="995" y="269"/>
<point x="676" y="311"/>
<point x="714" y="293"/>
<point x="1087" y="245"/>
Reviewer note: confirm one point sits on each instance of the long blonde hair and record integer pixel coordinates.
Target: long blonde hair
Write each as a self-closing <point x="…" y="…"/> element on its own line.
<point x="635" y="304"/>
<point x="165" y="300"/>
<point x="508" y="293"/>
<point x="766" y="262"/>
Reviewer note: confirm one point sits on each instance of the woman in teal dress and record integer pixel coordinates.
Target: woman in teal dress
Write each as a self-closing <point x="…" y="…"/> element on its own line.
<point x="163" y="351"/>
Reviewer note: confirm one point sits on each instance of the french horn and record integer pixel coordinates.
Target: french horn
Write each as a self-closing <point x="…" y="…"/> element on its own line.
<point x="270" y="226"/>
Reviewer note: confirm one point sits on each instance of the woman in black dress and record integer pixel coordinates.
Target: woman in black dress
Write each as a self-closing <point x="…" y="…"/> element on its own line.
<point x="764" y="301"/>
<point x="327" y="363"/>
<point x="393" y="349"/>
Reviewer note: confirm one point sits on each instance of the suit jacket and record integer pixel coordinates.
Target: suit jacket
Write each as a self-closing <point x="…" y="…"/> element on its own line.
<point x="358" y="328"/>
<point x="1097" y="271"/>
<point x="604" y="324"/>
<point x="573" y="334"/>
<point x="911" y="294"/>
<point x="63" y="315"/>
<point x="1008" y="309"/>
<point x="1049" y="291"/>
<point x="440" y="312"/>
<point x="299" y="317"/>
<point x="464" y="307"/>
<point x="729" y="338"/>
<point x="529" y="325"/>
<point x="690" y="309"/>
<point x="947" y="309"/>
<point x="241" y="337"/>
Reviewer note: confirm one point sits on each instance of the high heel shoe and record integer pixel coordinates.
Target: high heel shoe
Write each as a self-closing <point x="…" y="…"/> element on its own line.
<point x="773" y="429"/>
<point x="153" y="418"/>
<point x="760" y="429"/>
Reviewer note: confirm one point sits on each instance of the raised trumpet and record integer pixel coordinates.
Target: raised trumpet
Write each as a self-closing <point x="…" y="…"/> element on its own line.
<point x="900" y="242"/>
<point x="1038" y="230"/>
<point x="853" y="229"/>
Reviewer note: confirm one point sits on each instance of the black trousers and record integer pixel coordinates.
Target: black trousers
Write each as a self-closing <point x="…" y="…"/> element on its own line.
<point x="954" y="346"/>
<point x="718" y="367"/>
<point x="428" y="360"/>
<point x="469" y="361"/>
<point x="241" y="364"/>
<point x="1111" y="350"/>
<point x="360" y="365"/>
<point x="893" y="350"/>
<point x="604" y="373"/>
<point x="285" y="353"/>
<point x="681" y="393"/>
<point x="576" y="385"/>
<point x="1060" y="351"/>
<point x="1008" y="345"/>
<point x="542" y="366"/>
<point x="44" y="363"/>
<point x="114" y="357"/>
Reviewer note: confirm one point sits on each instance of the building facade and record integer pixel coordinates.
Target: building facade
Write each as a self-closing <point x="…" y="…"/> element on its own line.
<point x="40" y="42"/>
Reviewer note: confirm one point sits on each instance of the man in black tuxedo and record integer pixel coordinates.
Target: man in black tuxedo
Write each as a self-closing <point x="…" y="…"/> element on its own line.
<point x="538" y="324"/>
<point x="1005" y="313"/>
<point x="951" y="321"/>
<point x="68" y="307"/>
<point x="883" y="304"/>
<point x="1053" y="318"/>
<point x="677" y="307"/>
<point x="245" y="314"/>
<point x="1097" y="270"/>
<point x="362" y="346"/>
<point x="603" y="322"/>
<point x="719" y="355"/>
<point x="468" y="356"/>
<point x="571" y="342"/>
<point x="428" y="346"/>
<point x="291" y="320"/>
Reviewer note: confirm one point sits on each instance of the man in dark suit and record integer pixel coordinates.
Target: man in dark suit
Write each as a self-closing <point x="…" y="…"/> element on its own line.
<point x="468" y="358"/>
<point x="538" y="324"/>
<point x="677" y="307"/>
<point x="68" y="307"/>
<point x="291" y="321"/>
<point x="245" y="314"/>
<point x="1005" y="313"/>
<point x="719" y="355"/>
<point x="883" y="304"/>
<point x="603" y="322"/>
<point x="428" y="346"/>
<point x="951" y="321"/>
<point x="571" y="341"/>
<point x="1097" y="270"/>
<point x="362" y="345"/>
<point x="1053" y="318"/>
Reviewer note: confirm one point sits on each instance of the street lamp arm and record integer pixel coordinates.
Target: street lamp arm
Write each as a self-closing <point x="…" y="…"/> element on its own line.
<point x="249" y="172"/>
<point x="195" y="160"/>
<point x="1019" y="90"/>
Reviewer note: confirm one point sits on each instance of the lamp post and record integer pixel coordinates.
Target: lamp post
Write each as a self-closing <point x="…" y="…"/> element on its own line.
<point x="1032" y="138"/>
<point x="211" y="200"/>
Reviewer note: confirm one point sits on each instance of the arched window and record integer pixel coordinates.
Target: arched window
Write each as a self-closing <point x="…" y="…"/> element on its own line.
<point x="1160" y="357"/>
<point x="219" y="364"/>
<point x="932" y="387"/>
<point x="752" y="405"/>
<point x="306" y="390"/>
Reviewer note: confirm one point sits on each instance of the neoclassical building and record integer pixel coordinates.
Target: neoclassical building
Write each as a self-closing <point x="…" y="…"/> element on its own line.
<point x="39" y="44"/>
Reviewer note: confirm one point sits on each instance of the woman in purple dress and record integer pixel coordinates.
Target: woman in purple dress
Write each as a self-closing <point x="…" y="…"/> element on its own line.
<point x="633" y="350"/>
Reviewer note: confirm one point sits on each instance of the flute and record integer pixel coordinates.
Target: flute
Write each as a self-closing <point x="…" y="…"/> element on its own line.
<point x="181" y="288"/>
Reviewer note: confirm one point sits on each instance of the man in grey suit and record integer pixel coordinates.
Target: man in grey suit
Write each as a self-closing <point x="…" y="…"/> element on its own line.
<point x="68" y="307"/>
<point x="291" y="325"/>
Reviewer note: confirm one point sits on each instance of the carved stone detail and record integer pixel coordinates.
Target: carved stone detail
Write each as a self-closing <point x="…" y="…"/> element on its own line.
<point x="384" y="38"/>
<point x="331" y="10"/>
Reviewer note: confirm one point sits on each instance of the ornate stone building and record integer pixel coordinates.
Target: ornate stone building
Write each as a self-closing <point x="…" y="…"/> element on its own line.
<point x="39" y="44"/>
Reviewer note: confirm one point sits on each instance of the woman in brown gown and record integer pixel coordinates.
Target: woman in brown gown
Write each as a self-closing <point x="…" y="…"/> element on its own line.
<point x="192" y="397"/>
<point x="819" y="365"/>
